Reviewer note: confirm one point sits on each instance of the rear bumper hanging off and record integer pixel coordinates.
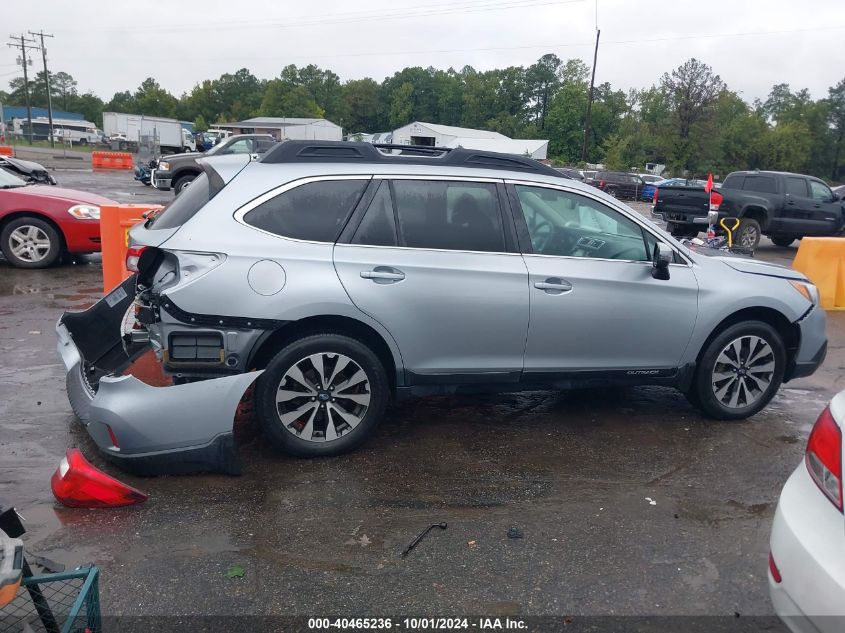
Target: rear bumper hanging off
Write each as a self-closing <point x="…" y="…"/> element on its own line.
<point x="146" y="430"/>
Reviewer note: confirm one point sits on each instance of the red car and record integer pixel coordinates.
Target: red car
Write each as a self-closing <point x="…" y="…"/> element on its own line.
<point x="39" y="223"/>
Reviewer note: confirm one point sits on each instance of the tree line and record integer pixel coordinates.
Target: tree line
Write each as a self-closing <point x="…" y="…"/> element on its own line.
<point x="689" y="120"/>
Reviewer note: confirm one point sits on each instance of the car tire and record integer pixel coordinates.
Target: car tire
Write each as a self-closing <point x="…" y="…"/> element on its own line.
<point x="46" y="245"/>
<point x="611" y="191"/>
<point x="740" y="371"/>
<point x="337" y="417"/>
<point x="782" y="241"/>
<point x="747" y="234"/>
<point x="182" y="182"/>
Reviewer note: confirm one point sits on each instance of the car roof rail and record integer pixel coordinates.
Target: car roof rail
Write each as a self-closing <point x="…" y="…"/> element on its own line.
<point x="297" y="151"/>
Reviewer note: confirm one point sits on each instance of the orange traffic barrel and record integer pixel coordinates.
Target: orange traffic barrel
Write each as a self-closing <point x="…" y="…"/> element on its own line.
<point x="822" y="259"/>
<point x="115" y="222"/>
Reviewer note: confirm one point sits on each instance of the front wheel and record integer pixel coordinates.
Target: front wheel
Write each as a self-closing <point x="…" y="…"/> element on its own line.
<point x="181" y="183"/>
<point x="30" y="242"/>
<point x="740" y="371"/>
<point x="322" y="395"/>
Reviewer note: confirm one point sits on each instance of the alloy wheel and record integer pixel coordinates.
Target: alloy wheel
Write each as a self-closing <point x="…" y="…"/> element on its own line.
<point x="748" y="238"/>
<point x="743" y="371"/>
<point x="29" y="243"/>
<point x="323" y="397"/>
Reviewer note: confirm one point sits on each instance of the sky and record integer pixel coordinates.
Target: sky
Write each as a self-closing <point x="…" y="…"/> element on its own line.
<point x="113" y="46"/>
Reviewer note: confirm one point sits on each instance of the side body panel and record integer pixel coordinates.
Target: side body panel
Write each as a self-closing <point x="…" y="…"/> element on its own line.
<point x="454" y="312"/>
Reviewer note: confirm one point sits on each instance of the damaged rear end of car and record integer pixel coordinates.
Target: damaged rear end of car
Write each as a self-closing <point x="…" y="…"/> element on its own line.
<point x="184" y="421"/>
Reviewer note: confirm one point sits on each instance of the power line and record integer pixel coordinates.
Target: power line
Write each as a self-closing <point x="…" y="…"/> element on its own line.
<point x="450" y="8"/>
<point x="550" y="46"/>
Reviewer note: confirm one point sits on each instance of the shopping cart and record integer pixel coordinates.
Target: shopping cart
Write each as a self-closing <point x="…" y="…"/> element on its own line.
<point x="64" y="602"/>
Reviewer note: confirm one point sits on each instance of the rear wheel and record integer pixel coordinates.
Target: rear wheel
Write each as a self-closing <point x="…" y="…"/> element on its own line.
<point x="322" y="395"/>
<point x="748" y="234"/>
<point x="30" y="242"/>
<point x="740" y="371"/>
<point x="611" y="191"/>
<point x="783" y="241"/>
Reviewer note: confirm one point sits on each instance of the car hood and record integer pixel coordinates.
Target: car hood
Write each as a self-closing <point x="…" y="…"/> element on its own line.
<point x="177" y="157"/>
<point x="23" y="166"/>
<point x="59" y="193"/>
<point x="749" y="265"/>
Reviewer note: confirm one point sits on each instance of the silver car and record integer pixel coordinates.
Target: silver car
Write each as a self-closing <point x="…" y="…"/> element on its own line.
<point x="338" y="276"/>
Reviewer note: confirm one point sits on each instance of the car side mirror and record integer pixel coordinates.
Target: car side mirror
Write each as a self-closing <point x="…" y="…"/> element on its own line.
<point x="660" y="259"/>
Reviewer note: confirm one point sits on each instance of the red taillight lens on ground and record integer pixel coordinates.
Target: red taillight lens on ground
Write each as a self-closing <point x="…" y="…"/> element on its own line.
<point x="773" y="569"/>
<point x="78" y="484"/>
<point x="132" y="257"/>
<point x="824" y="457"/>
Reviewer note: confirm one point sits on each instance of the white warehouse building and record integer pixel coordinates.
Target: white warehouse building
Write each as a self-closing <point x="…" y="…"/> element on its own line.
<point x="282" y="128"/>
<point x="436" y="135"/>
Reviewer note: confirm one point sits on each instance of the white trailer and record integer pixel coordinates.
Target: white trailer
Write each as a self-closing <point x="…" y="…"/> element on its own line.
<point x="130" y="129"/>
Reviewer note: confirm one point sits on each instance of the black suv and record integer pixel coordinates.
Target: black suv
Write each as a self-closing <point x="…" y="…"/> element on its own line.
<point x="178" y="170"/>
<point x="618" y="184"/>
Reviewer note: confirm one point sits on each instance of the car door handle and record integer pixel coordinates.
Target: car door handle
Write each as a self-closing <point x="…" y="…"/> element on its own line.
<point x="383" y="273"/>
<point x="553" y="286"/>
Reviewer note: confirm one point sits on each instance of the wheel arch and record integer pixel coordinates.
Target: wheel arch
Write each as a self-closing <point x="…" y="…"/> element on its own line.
<point x="788" y="331"/>
<point x="269" y="345"/>
<point x="184" y="171"/>
<point x="756" y="212"/>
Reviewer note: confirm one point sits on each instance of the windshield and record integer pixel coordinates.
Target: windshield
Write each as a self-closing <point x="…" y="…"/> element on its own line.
<point x="8" y="180"/>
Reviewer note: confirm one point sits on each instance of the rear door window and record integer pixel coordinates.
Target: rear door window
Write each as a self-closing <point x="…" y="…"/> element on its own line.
<point x="760" y="184"/>
<point x="796" y="186"/>
<point x="734" y="181"/>
<point x="316" y="211"/>
<point x="451" y="215"/>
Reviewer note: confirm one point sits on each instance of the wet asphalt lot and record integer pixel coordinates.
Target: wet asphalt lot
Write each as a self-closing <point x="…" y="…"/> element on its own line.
<point x="630" y="501"/>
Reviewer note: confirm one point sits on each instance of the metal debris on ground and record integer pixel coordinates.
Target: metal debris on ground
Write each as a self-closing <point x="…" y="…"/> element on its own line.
<point x="442" y="525"/>
<point x="515" y="532"/>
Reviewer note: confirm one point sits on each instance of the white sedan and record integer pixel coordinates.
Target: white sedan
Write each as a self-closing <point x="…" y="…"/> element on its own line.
<point x="807" y="555"/>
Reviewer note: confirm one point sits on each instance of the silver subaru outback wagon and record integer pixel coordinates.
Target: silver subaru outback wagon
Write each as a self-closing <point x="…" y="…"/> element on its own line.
<point x="336" y="276"/>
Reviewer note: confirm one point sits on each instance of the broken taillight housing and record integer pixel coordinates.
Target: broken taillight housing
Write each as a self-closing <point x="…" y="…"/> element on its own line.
<point x="133" y="254"/>
<point x="824" y="457"/>
<point x="78" y="484"/>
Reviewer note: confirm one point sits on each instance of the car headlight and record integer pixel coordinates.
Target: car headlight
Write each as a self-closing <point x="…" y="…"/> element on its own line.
<point x="807" y="290"/>
<point x="164" y="165"/>
<point x="85" y="212"/>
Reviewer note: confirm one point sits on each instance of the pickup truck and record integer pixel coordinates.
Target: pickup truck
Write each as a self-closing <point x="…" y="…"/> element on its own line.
<point x="178" y="170"/>
<point x="779" y="205"/>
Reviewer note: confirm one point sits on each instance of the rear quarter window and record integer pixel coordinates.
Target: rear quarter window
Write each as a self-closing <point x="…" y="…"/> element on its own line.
<point x="316" y="211"/>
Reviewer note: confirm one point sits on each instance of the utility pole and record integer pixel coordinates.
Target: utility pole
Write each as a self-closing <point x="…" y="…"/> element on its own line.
<point x="42" y="35"/>
<point x="23" y="46"/>
<point x="590" y="99"/>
